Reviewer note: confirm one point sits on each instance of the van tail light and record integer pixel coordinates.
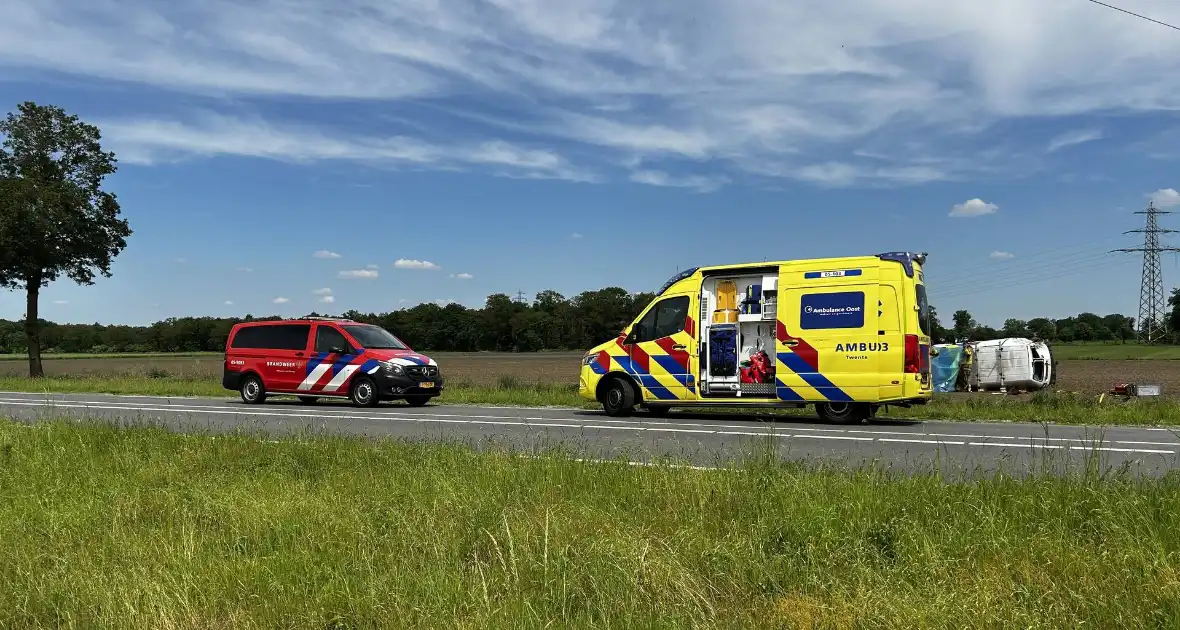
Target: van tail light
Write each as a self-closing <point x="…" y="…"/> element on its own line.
<point x="913" y="359"/>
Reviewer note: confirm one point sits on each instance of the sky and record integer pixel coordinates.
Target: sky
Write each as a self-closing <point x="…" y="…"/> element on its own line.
<point x="285" y="156"/>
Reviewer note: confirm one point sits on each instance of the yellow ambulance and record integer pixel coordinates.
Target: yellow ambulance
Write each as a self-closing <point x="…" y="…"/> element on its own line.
<point x="848" y="335"/>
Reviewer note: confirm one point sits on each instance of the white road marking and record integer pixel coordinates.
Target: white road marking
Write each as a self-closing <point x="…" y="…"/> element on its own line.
<point x="1073" y="448"/>
<point x="680" y="425"/>
<point x="573" y="423"/>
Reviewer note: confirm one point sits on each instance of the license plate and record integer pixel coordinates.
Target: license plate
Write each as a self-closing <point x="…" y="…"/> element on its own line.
<point x="426" y="384"/>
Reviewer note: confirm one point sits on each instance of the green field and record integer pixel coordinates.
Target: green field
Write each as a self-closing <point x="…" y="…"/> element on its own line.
<point x="1114" y="352"/>
<point x="144" y="528"/>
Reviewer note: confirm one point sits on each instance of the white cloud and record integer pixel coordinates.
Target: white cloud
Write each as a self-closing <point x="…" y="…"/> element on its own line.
<point x="576" y="235"/>
<point x="405" y="263"/>
<point x="768" y="83"/>
<point x="1165" y="197"/>
<point x="700" y="183"/>
<point x="326" y="299"/>
<point x="246" y="269"/>
<point x="973" y="208"/>
<point x="61" y="301"/>
<point x="281" y="300"/>
<point x="323" y="291"/>
<point x="228" y="302"/>
<point x="999" y="255"/>
<point x="462" y="276"/>
<point x="326" y="254"/>
<point x="148" y="141"/>
<point x="361" y="274"/>
<point x="1070" y="138"/>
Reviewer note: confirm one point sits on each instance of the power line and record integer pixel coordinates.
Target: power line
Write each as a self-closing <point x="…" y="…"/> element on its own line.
<point x="1032" y="261"/>
<point x="1142" y="17"/>
<point x="986" y="274"/>
<point x="962" y="292"/>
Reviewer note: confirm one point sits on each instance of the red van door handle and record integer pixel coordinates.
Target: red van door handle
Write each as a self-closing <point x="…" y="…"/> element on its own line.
<point x="298" y="354"/>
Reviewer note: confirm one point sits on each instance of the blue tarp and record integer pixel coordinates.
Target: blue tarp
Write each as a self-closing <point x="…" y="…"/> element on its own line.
<point x="944" y="368"/>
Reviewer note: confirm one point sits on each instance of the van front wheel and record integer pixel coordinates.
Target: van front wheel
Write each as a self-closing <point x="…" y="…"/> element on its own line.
<point x="843" y="412"/>
<point x="364" y="392"/>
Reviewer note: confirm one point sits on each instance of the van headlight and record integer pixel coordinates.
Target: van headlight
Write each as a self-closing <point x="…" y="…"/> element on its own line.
<point x="589" y="358"/>
<point x="392" y="368"/>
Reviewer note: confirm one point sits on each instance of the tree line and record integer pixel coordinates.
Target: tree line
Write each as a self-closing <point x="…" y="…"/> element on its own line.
<point x="550" y="322"/>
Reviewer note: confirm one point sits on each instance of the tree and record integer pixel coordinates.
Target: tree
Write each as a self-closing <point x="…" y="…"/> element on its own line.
<point x="55" y="219"/>
<point x="964" y="325"/>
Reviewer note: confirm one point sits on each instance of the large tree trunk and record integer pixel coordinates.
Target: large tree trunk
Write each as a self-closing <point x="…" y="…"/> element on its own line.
<point x="33" y="329"/>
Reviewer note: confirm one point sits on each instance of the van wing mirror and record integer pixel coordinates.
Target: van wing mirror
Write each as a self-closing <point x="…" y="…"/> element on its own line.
<point x="338" y="350"/>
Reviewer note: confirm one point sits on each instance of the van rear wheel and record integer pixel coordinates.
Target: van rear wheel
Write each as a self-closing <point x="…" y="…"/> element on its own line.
<point x="843" y="412"/>
<point x="252" y="391"/>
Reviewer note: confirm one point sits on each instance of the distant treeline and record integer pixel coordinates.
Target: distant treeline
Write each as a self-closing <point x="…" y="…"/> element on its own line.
<point x="550" y="322"/>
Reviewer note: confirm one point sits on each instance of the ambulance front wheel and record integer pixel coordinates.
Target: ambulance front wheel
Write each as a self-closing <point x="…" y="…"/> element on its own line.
<point x="618" y="397"/>
<point x="843" y="412"/>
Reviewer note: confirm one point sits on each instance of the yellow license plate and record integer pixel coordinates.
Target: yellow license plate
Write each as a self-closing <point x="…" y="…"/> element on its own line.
<point x="426" y="384"/>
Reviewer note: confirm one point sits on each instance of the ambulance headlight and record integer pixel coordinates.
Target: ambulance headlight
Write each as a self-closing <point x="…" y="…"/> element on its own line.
<point x="391" y="368"/>
<point x="589" y="358"/>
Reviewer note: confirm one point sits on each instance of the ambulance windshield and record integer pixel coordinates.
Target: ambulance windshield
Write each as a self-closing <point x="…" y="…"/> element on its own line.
<point x="374" y="337"/>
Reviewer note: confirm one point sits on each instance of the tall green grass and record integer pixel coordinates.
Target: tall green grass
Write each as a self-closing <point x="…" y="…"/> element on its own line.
<point x="142" y="528"/>
<point x="509" y="391"/>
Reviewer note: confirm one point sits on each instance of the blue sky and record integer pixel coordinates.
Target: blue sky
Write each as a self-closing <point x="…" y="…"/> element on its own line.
<point x="448" y="149"/>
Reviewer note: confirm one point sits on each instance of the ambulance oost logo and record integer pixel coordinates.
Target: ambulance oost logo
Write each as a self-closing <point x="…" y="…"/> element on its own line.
<point x="807" y="309"/>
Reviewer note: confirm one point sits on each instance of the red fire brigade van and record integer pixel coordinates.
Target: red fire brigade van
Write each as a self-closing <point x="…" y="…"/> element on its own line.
<point x="313" y="357"/>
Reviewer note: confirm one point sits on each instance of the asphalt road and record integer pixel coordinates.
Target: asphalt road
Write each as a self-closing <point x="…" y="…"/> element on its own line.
<point x="695" y="439"/>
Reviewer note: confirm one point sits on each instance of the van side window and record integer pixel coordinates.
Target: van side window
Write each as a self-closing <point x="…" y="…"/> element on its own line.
<point x="291" y="336"/>
<point x="249" y="337"/>
<point x="327" y="338"/>
<point x="278" y="337"/>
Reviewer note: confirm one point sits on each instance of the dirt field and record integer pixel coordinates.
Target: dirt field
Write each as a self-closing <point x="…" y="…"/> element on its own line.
<point x="1088" y="376"/>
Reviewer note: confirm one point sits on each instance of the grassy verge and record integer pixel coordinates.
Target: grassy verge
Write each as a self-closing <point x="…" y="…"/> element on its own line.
<point x="1038" y="407"/>
<point x="111" y="355"/>
<point x="142" y="528"/>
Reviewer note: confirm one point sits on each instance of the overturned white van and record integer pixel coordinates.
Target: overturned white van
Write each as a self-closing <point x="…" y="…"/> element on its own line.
<point x="1012" y="363"/>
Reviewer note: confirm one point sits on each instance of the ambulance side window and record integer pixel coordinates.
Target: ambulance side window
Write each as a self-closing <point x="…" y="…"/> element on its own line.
<point x="664" y="319"/>
<point x="327" y="338"/>
<point x="644" y="328"/>
<point x="670" y="317"/>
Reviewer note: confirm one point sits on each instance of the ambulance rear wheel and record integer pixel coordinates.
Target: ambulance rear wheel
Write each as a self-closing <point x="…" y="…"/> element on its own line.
<point x="364" y="392"/>
<point x="618" y="398"/>
<point x="843" y="412"/>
